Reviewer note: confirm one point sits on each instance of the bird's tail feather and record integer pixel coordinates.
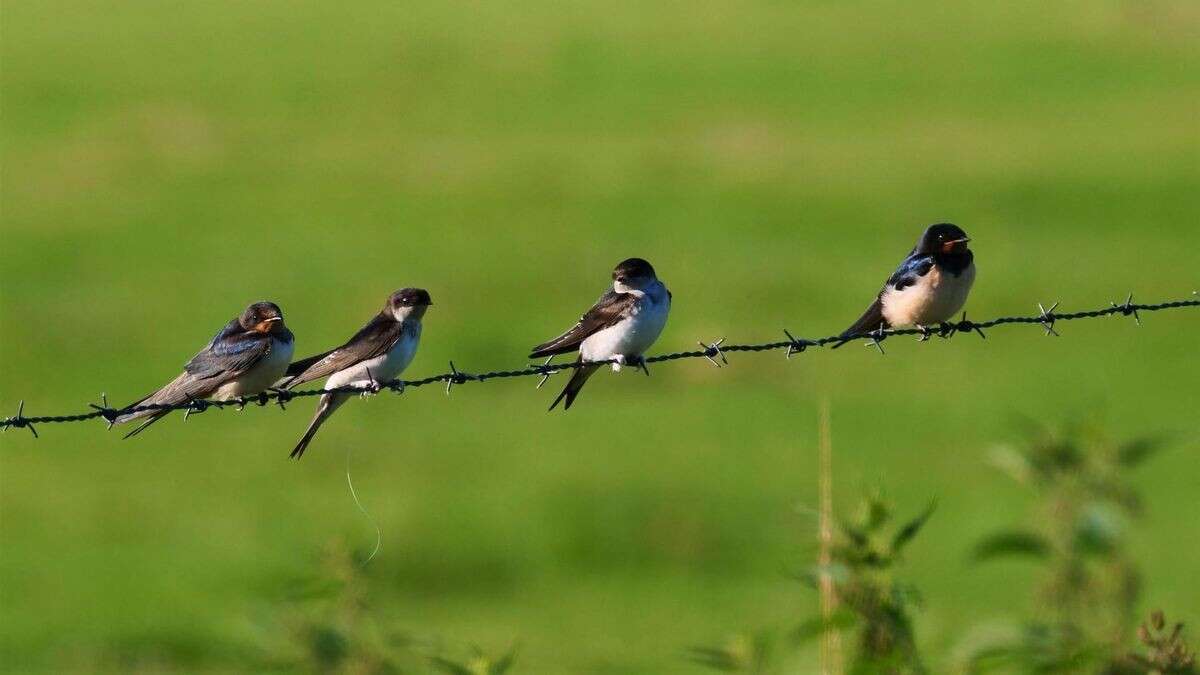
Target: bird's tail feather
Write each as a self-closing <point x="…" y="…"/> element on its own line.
<point x="578" y="379"/>
<point x="154" y="415"/>
<point x="174" y="393"/>
<point x="872" y="319"/>
<point x="325" y="408"/>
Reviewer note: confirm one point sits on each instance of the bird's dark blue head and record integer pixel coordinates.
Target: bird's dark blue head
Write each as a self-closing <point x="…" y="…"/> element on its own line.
<point x="633" y="272"/>
<point x="262" y="317"/>
<point x="408" y="303"/>
<point x="943" y="239"/>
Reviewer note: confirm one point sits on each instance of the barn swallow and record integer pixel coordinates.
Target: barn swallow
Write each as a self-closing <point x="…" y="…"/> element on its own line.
<point x="377" y="353"/>
<point x="249" y="354"/>
<point x="622" y="325"/>
<point x="929" y="287"/>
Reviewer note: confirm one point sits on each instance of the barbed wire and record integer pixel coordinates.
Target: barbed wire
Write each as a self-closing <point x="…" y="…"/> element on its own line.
<point x="1047" y="318"/>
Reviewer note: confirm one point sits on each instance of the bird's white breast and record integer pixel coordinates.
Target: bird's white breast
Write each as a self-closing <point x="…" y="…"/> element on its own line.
<point x="936" y="297"/>
<point x="632" y="336"/>
<point x="262" y="375"/>
<point x="384" y="367"/>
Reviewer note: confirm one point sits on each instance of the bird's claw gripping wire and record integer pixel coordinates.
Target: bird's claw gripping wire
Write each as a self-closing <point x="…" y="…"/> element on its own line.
<point x="1128" y="309"/>
<point x="546" y="371"/>
<point x="1047" y="319"/>
<point x="455" y="377"/>
<point x="711" y="350"/>
<point x="282" y="396"/>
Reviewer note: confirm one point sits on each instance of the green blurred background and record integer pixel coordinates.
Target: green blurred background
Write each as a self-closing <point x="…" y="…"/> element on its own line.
<point x="164" y="164"/>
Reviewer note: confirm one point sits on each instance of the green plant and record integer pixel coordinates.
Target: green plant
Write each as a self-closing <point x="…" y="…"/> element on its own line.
<point x="1167" y="652"/>
<point x="871" y="604"/>
<point x="328" y="626"/>
<point x="1090" y="584"/>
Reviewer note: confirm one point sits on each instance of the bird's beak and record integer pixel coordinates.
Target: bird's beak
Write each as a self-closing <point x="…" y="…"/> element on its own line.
<point x="267" y="325"/>
<point x="955" y="245"/>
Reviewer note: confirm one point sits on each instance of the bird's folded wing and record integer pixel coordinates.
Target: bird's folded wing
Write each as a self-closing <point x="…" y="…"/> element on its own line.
<point x="913" y="268"/>
<point x="608" y="310"/>
<point x="374" y="339"/>
<point x="229" y="355"/>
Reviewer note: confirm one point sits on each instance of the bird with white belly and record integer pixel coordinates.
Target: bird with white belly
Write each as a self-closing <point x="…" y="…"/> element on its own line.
<point x="930" y="286"/>
<point x="377" y="353"/>
<point x="620" y="327"/>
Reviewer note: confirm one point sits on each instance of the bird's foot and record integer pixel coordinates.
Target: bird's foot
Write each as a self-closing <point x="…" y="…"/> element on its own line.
<point x="372" y="386"/>
<point x="925" y="333"/>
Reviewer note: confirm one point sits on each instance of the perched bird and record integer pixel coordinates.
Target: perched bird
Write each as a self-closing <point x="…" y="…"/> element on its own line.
<point x="622" y="325"/>
<point x="377" y="353"/>
<point x="249" y="354"/>
<point x="929" y="287"/>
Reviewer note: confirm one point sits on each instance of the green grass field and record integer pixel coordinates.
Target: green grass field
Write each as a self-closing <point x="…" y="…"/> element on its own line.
<point x="165" y="164"/>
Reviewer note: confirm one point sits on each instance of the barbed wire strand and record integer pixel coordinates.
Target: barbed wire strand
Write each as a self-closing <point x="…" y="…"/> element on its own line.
<point x="1047" y="318"/>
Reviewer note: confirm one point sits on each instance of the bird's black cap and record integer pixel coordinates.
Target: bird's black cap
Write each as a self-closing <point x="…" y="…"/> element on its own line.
<point x="633" y="268"/>
<point x="942" y="238"/>
<point x="409" y="297"/>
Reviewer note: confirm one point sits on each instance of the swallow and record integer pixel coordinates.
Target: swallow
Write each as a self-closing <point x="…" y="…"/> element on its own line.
<point x="929" y="287"/>
<point x="620" y="327"/>
<point x="249" y="354"/>
<point x="377" y="353"/>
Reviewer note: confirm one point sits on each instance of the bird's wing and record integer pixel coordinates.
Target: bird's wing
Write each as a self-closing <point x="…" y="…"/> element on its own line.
<point x="913" y="268"/>
<point x="231" y="353"/>
<point x="372" y="340"/>
<point x="608" y="310"/>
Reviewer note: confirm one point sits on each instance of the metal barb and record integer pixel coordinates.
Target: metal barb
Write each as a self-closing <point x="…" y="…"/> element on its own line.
<point x="966" y="325"/>
<point x="643" y="365"/>
<point x="106" y="412"/>
<point x="454" y="378"/>
<point x="195" y="405"/>
<point x="1128" y="309"/>
<point x="372" y="386"/>
<point x="1047" y="318"/>
<point x="794" y="346"/>
<point x="877" y="337"/>
<point x="546" y="373"/>
<point x="711" y="350"/>
<point x="20" y="421"/>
